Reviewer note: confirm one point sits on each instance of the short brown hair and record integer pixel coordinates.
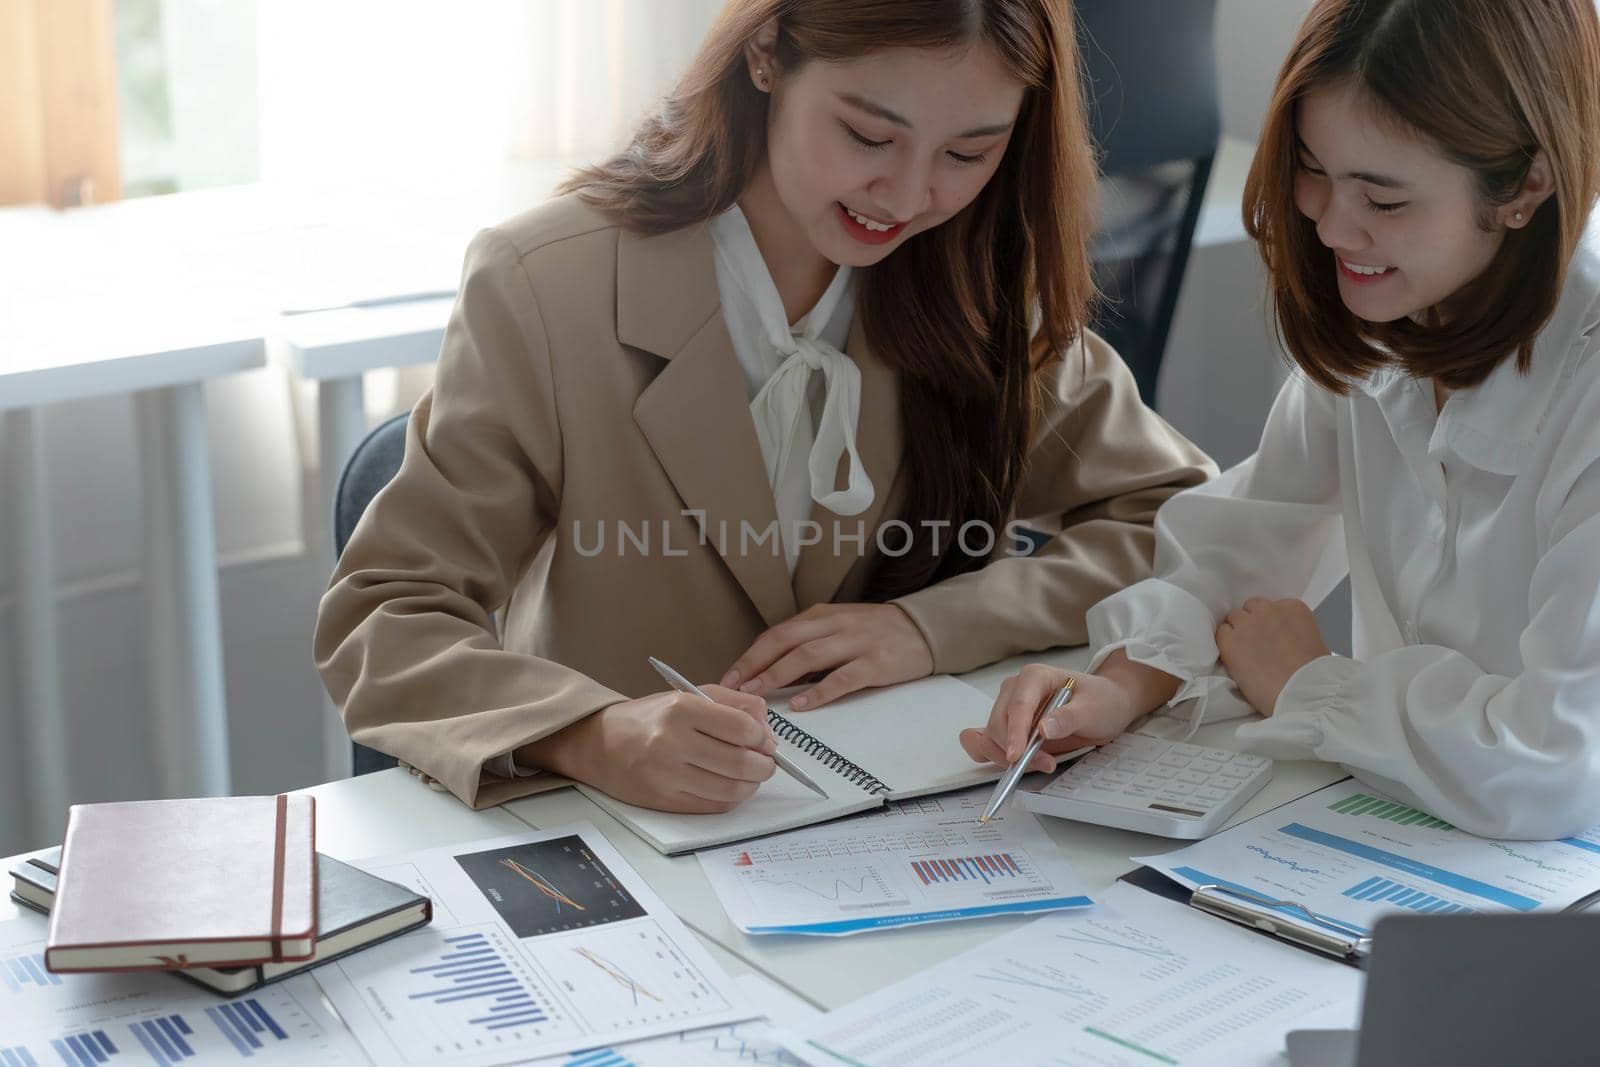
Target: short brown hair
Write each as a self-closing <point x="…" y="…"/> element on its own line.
<point x="1489" y="83"/>
<point x="954" y="309"/>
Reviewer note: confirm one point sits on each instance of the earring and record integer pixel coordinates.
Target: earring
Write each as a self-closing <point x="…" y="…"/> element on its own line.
<point x="1517" y="215"/>
<point x="761" y="76"/>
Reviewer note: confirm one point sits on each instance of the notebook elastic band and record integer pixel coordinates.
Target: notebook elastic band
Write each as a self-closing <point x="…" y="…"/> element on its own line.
<point x="279" y="847"/>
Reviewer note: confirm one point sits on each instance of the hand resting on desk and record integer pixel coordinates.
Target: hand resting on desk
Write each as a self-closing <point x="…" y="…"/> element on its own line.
<point x="854" y="647"/>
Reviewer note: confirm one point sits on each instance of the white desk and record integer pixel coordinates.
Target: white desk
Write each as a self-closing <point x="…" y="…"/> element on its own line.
<point x="391" y="811"/>
<point x="831" y="972"/>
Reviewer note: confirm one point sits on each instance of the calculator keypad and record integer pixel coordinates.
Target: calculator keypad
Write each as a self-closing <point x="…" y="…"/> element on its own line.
<point x="1168" y="777"/>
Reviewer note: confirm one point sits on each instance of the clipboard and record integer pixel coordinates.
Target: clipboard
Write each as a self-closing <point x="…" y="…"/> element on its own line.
<point x="1255" y="913"/>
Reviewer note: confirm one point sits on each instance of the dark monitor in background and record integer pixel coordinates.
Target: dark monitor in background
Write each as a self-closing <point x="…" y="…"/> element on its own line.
<point x="1150" y="82"/>
<point x="1472" y="991"/>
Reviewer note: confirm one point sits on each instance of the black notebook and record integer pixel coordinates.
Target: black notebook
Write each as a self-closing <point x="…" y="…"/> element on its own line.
<point x="354" y="910"/>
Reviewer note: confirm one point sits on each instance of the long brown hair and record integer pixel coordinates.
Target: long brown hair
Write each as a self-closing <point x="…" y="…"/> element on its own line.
<point x="1489" y="83"/>
<point x="958" y="311"/>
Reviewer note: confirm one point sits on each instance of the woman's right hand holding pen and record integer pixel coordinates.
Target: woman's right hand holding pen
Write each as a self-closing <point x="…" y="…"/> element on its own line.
<point x="1103" y="705"/>
<point x="668" y="751"/>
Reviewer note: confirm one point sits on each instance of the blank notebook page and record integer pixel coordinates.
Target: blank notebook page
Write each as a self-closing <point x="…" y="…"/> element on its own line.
<point x="905" y="735"/>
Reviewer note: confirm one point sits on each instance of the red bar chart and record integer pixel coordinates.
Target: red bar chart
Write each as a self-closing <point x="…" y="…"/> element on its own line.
<point x="987" y="869"/>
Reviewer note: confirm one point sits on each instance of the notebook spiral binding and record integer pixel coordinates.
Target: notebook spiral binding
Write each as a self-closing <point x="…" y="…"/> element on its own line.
<point x="828" y="757"/>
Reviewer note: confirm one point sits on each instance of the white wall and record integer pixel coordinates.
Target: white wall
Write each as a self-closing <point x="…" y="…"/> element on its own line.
<point x="1253" y="37"/>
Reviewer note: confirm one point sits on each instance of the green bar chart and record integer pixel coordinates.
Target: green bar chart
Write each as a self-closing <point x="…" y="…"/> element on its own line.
<point x="1390" y="810"/>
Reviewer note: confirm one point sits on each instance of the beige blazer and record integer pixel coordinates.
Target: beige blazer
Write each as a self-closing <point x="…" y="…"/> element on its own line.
<point x="586" y="461"/>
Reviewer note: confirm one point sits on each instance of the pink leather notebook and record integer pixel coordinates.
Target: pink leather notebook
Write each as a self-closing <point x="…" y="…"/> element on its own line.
<point x="158" y="885"/>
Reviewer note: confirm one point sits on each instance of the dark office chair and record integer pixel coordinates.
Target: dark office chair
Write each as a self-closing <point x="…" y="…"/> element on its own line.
<point x="1150" y="71"/>
<point x="370" y="468"/>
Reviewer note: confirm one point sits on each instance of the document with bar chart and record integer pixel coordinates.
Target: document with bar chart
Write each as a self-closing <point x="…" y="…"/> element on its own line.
<point x="918" y="861"/>
<point x="152" y="1020"/>
<point x="1136" y="982"/>
<point x="553" y="945"/>
<point x="1350" y="854"/>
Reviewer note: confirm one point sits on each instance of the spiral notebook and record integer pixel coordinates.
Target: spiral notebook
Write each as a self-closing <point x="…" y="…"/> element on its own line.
<point x="864" y="750"/>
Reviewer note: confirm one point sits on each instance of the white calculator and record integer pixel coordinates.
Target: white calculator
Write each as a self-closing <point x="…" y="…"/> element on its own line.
<point x="1153" y="786"/>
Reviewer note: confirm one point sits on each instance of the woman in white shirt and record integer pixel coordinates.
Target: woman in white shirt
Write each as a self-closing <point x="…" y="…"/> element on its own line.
<point x="1420" y="197"/>
<point x="759" y="396"/>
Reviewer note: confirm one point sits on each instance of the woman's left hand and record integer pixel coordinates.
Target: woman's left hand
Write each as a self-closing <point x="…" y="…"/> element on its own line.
<point x="1263" y="642"/>
<point x="858" y="646"/>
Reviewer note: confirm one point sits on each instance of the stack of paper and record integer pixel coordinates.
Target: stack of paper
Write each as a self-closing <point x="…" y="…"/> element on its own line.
<point x="1135" y="982"/>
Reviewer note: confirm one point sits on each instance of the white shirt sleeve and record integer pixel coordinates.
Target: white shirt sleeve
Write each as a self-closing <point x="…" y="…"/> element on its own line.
<point x="1269" y="527"/>
<point x="506" y="766"/>
<point x="1503" y="757"/>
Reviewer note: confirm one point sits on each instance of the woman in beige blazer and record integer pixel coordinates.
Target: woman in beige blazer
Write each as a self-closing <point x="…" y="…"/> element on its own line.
<point x="763" y="396"/>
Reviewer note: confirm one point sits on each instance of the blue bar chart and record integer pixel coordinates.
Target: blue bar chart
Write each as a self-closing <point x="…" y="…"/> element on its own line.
<point x="247" y="1026"/>
<point x="449" y="994"/>
<point x="473" y="971"/>
<point x="600" y="1057"/>
<point x="20" y="972"/>
<point x="165" y="1040"/>
<point x="85" y="1049"/>
<point x="1402" y="896"/>
<point x="151" y="1020"/>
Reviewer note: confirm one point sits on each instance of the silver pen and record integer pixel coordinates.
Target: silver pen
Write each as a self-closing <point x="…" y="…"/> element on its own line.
<point x="784" y="762"/>
<point x="1008" y="781"/>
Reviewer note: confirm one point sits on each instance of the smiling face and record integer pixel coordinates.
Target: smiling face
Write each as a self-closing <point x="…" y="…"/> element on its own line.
<point x="1405" y="225"/>
<point x="864" y="153"/>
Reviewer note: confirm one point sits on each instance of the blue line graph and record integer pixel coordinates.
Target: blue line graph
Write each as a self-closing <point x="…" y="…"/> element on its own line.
<point x="27" y="970"/>
<point x="1005" y="978"/>
<point x="1406" y="865"/>
<point x="617" y="974"/>
<point x="471" y="969"/>
<point x="1088" y="937"/>
<point x="1293" y="865"/>
<point x="839" y="886"/>
<point x="734" y="1043"/>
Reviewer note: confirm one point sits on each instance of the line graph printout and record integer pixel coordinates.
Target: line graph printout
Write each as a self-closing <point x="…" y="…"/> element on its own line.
<point x="755" y="1041"/>
<point x="156" y="1020"/>
<point x="919" y="861"/>
<point x="1351" y="855"/>
<point x="558" y="946"/>
<point x="543" y="887"/>
<point x="1136" y="982"/>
